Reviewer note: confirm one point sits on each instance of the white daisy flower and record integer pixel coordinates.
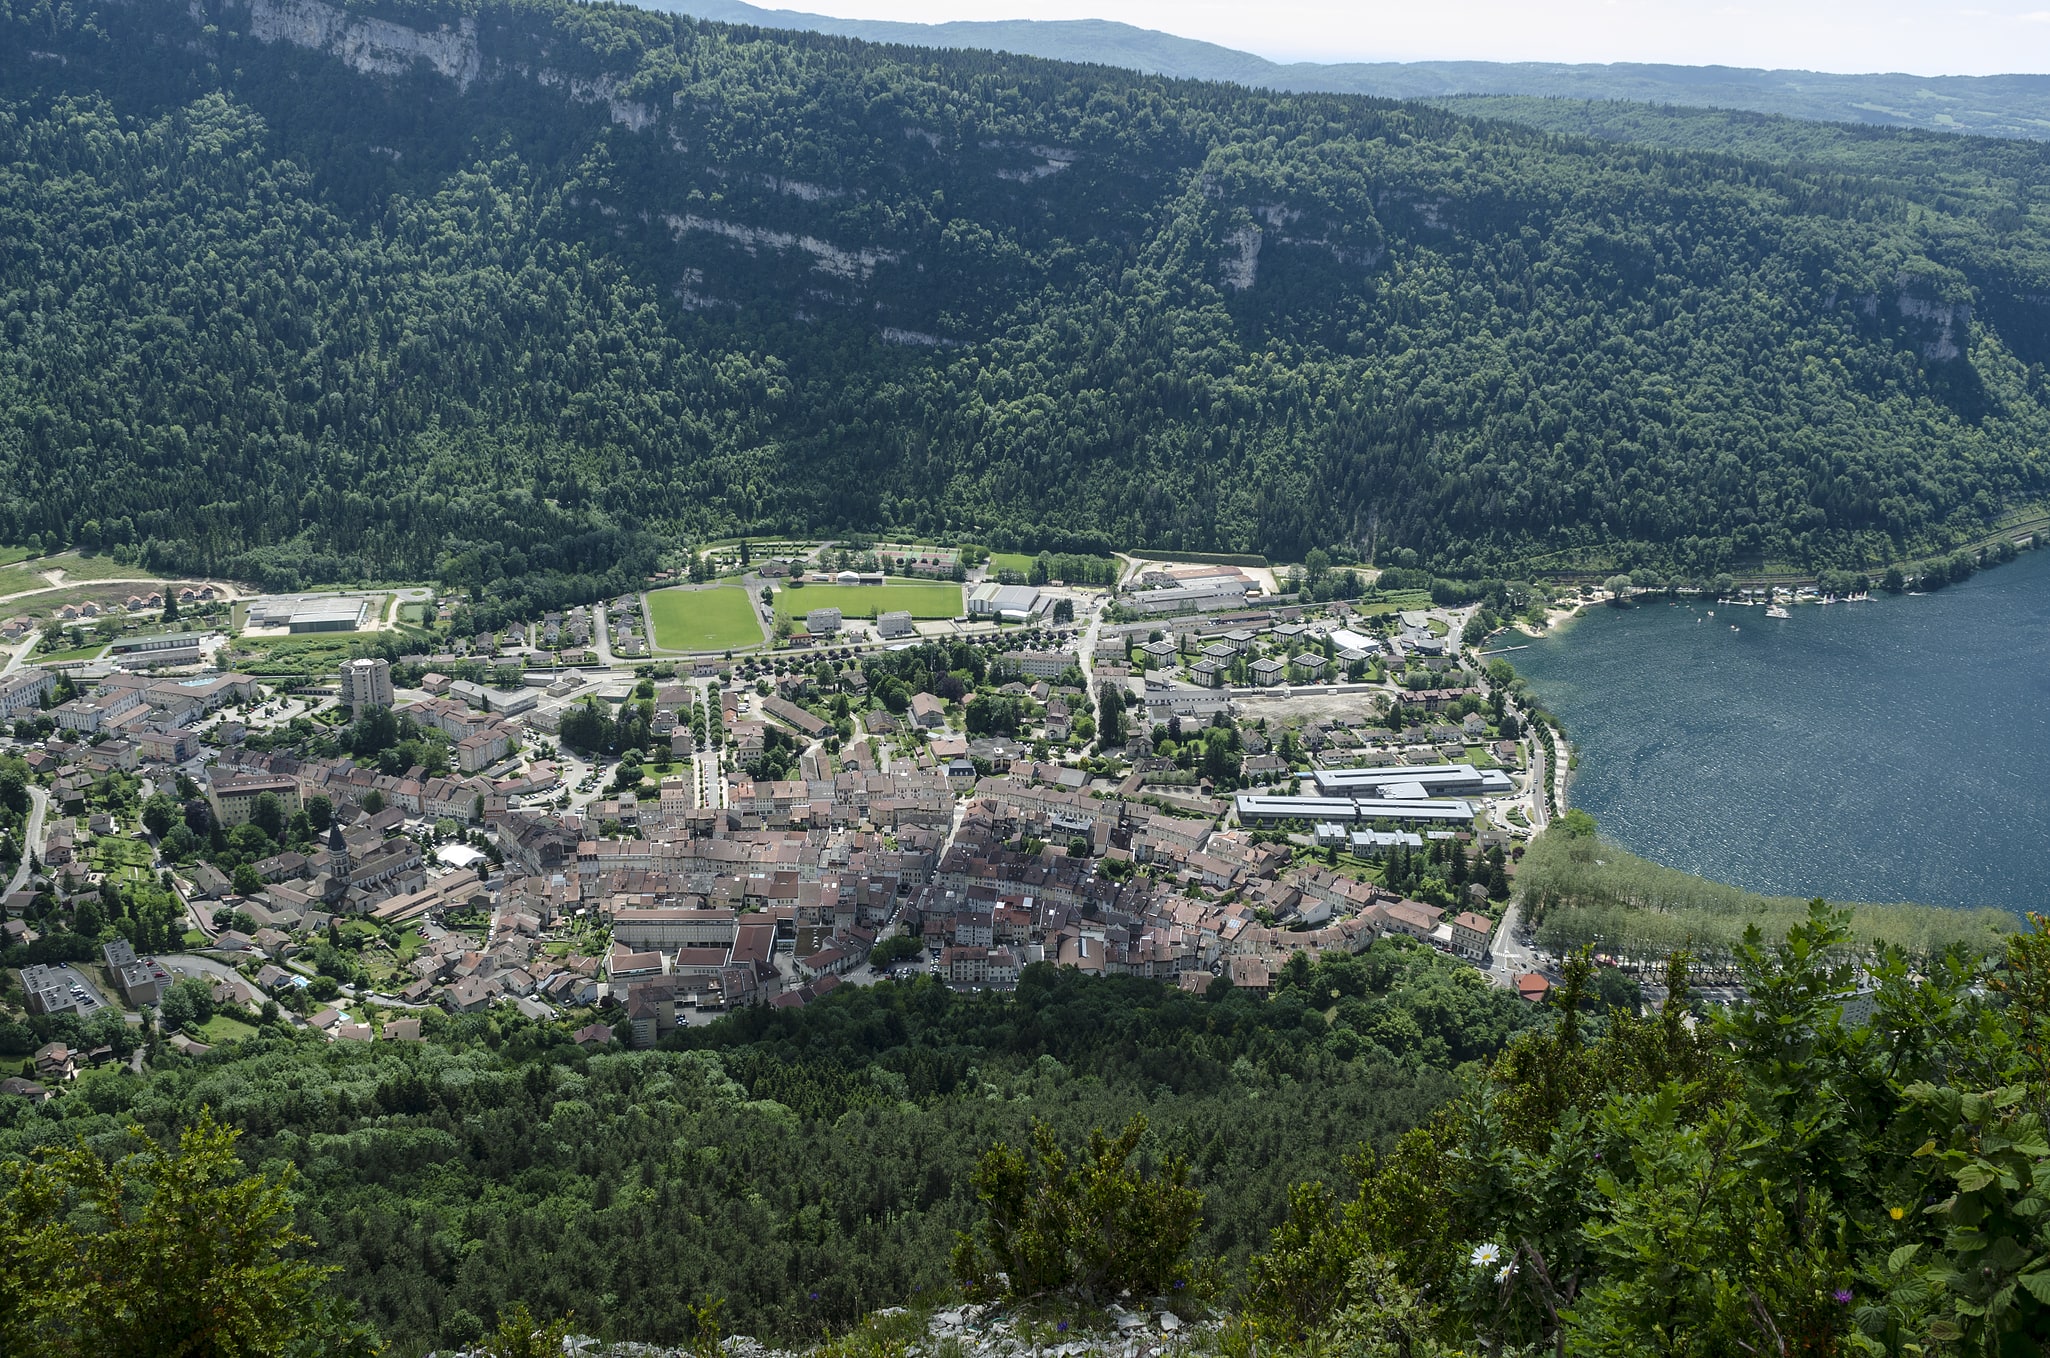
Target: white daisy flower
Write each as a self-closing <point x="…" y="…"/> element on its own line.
<point x="1507" y="1272"/>
<point x="1486" y="1256"/>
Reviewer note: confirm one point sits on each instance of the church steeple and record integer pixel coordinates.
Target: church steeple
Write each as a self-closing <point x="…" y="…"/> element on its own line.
<point x="337" y="864"/>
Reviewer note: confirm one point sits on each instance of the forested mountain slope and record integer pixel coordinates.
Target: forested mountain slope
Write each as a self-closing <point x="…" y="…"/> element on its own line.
<point x="1996" y="106"/>
<point x="516" y="292"/>
<point x="804" y="1167"/>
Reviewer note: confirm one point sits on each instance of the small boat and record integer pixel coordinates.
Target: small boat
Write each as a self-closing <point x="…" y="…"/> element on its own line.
<point x="1777" y="611"/>
<point x="1733" y="627"/>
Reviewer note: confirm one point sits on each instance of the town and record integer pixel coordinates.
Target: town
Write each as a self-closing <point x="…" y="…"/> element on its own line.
<point x="799" y="766"/>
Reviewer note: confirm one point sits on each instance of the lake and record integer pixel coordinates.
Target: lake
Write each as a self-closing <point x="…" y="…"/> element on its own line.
<point x="1882" y="751"/>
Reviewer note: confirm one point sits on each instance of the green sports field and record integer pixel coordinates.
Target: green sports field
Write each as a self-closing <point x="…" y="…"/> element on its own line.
<point x="935" y="600"/>
<point x="717" y="619"/>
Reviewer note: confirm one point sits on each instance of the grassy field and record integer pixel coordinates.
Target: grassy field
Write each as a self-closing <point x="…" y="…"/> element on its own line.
<point x="81" y="653"/>
<point x="293" y="657"/>
<point x="1395" y="602"/>
<point x="121" y="858"/>
<point x="220" y="1028"/>
<point x="717" y="619"/>
<point x="79" y="568"/>
<point x="10" y="555"/>
<point x="15" y="579"/>
<point x="937" y="599"/>
<point x="46" y="605"/>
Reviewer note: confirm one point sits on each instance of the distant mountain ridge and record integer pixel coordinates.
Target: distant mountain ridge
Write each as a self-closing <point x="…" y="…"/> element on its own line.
<point x="521" y="294"/>
<point x="1992" y="106"/>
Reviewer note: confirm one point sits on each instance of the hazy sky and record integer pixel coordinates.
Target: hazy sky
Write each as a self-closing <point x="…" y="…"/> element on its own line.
<point x="1928" y="38"/>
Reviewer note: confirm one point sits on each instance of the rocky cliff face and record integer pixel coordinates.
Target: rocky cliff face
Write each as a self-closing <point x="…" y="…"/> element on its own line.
<point x="369" y="45"/>
<point x="960" y="1332"/>
<point x="1942" y="323"/>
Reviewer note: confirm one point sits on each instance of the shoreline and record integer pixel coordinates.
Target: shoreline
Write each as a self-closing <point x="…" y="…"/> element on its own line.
<point x="1688" y="764"/>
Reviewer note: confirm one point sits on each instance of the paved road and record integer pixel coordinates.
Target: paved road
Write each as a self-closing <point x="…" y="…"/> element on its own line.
<point x="32" y="843"/>
<point x="185" y="964"/>
<point x="1544" y="804"/>
<point x="601" y="634"/>
<point x="704" y="766"/>
<point x="93" y="1001"/>
<point x="221" y="587"/>
<point x="18" y="657"/>
<point x="1085" y="659"/>
<point x="1508" y="957"/>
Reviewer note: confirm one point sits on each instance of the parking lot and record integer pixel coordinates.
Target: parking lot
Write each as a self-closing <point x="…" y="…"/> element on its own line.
<point x="86" y="999"/>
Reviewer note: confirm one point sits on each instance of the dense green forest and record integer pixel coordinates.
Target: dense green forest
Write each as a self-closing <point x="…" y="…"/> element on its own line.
<point x="804" y="1167"/>
<point x="1852" y="1162"/>
<point x="542" y="287"/>
<point x="1794" y="1176"/>
<point x="1990" y="183"/>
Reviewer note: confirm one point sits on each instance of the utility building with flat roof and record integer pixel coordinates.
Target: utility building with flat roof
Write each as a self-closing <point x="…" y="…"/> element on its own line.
<point x="989" y="600"/>
<point x="310" y="612"/>
<point x="1448" y="780"/>
<point x="1255" y="810"/>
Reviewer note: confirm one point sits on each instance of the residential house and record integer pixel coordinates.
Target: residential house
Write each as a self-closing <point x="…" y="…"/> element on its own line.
<point x="1470" y="934"/>
<point x="1250" y="973"/>
<point x="55" y="1061"/>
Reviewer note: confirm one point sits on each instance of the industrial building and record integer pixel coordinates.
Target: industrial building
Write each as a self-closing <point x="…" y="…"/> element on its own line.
<point x="310" y="612"/>
<point x="1012" y="602"/>
<point x="1211" y="596"/>
<point x="1256" y="810"/>
<point x="150" y="652"/>
<point x="505" y="702"/>
<point x="1414" y="784"/>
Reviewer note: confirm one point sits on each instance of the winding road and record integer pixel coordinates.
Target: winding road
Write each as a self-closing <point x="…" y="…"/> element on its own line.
<point x="39" y="805"/>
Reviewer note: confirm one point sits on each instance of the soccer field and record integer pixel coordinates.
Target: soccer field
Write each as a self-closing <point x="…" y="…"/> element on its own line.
<point x="934" y="600"/>
<point x="717" y="619"/>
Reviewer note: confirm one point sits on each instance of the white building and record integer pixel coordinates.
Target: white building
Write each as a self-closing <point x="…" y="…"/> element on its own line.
<point x="990" y="600"/>
<point x="1037" y="664"/>
<point x="822" y="622"/>
<point x="22" y="694"/>
<point x="366" y="682"/>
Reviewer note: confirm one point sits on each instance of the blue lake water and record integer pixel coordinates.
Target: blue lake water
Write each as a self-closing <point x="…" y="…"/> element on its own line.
<point x="1883" y="751"/>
